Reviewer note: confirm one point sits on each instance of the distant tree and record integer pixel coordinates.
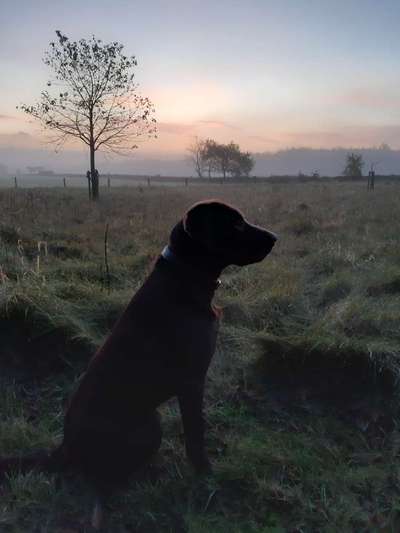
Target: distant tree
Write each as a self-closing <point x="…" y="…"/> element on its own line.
<point x="231" y="160"/>
<point x="196" y="153"/>
<point x="384" y="147"/>
<point x="210" y="156"/>
<point x="226" y="159"/>
<point x="354" y="165"/>
<point x="222" y="157"/>
<point x="95" y="98"/>
<point x="247" y="163"/>
<point x="241" y="163"/>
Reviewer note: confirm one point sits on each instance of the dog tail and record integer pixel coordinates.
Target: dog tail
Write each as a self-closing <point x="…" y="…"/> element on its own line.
<point x="39" y="461"/>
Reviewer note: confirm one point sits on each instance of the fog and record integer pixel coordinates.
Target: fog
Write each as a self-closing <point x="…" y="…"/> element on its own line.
<point x="283" y="162"/>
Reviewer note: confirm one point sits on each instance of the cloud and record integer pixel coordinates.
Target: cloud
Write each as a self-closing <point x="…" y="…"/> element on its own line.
<point x="375" y="135"/>
<point x="21" y="139"/>
<point x="369" y="97"/>
<point x="181" y="128"/>
<point x="217" y="124"/>
<point x="316" y="138"/>
<point x="348" y="136"/>
<point x="261" y="138"/>
<point x="175" y="128"/>
<point x="6" y="117"/>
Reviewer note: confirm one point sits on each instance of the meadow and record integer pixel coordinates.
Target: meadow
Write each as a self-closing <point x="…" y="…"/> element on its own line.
<point x="302" y="396"/>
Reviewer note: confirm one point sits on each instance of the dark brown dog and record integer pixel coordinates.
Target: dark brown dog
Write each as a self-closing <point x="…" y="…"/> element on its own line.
<point x="161" y="347"/>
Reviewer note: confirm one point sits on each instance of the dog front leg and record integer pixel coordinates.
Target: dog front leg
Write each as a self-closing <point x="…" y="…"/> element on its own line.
<point x="190" y="400"/>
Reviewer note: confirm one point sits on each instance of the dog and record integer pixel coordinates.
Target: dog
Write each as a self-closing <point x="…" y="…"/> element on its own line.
<point x="160" y="348"/>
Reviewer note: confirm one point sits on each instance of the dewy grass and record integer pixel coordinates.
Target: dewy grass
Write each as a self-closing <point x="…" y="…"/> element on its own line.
<point x="317" y="320"/>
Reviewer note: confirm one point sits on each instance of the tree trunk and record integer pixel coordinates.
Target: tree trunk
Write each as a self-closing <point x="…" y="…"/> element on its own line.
<point x="89" y="179"/>
<point x="93" y="173"/>
<point x="198" y="167"/>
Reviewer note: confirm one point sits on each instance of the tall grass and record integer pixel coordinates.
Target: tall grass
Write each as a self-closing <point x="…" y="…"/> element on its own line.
<point x="315" y="323"/>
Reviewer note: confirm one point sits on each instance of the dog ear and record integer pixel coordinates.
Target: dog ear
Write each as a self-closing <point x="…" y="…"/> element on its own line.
<point x="197" y="221"/>
<point x="186" y="225"/>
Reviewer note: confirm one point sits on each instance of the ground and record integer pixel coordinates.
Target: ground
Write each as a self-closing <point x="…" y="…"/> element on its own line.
<point x="301" y="397"/>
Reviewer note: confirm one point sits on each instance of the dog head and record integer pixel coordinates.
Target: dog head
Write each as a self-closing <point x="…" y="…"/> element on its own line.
<point x="222" y="233"/>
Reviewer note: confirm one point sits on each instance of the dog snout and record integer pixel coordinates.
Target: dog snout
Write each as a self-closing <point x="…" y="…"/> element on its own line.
<point x="272" y="236"/>
<point x="264" y="237"/>
<point x="255" y="245"/>
<point x="269" y="239"/>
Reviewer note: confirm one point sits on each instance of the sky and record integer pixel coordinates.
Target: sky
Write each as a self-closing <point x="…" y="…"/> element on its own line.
<point x="267" y="74"/>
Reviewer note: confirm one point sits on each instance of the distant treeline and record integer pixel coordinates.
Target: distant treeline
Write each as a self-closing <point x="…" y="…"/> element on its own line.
<point x="294" y="161"/>
<point x="288" y="162"/>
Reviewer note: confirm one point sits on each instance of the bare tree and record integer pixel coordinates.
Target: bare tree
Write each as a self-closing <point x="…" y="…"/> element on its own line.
<point x="94" y="100"/>
<point x="196" y="155"/>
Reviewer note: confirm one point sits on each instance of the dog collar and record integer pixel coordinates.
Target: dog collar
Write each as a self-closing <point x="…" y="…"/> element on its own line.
<point x="169" y="256"/>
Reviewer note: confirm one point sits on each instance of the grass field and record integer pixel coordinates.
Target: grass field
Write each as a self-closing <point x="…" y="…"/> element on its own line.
<point x="302" y="400"/>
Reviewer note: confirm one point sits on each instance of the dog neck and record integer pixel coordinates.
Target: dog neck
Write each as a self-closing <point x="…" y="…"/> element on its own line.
<point x="198" y="275"/>
<point x="194" y="257"/>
